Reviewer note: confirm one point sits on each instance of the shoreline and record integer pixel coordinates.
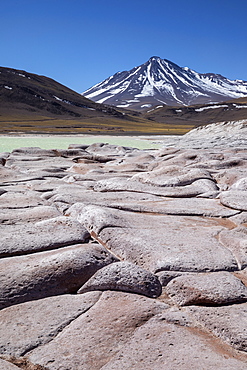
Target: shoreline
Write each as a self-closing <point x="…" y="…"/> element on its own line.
<point x="122" y="135"/>
<point x="57" y="141"/>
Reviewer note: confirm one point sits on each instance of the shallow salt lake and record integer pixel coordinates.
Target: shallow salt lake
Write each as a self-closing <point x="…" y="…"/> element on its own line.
<point x="8" y="143"/>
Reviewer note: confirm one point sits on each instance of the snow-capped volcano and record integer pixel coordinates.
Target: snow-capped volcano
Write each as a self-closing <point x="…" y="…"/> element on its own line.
<point x="161" y="82"/>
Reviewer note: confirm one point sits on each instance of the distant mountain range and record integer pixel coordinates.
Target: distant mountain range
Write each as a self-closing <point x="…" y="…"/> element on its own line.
<point x="159" y="82"/>
<point x="30" y="103"/>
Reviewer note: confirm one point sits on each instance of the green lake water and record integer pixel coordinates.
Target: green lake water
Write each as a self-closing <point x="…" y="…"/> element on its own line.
<point x="8" y="143"/>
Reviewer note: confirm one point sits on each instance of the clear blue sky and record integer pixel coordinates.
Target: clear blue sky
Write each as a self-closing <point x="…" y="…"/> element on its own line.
<point x="80" y="43"/>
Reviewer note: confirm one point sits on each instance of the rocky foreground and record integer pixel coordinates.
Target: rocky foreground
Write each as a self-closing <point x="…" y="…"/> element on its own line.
<point x="119" y="258"/>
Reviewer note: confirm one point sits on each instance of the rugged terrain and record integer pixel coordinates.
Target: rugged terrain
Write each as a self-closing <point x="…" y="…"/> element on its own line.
<point x="119" y="258"/>
<point x="161" y="82"/>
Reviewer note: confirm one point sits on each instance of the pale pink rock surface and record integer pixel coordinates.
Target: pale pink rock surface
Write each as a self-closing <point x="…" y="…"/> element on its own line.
<point x="173" y="217"/>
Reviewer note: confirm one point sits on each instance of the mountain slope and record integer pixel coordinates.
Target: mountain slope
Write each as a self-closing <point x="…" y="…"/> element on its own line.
<point x="31" y="103"/>
<point x="22" y="90"/>
<point x="161" y="82"/>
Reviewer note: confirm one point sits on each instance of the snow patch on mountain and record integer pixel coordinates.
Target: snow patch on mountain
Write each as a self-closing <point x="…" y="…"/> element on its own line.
<point x="239" y="106"/>
<point x="211" y="107"/>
